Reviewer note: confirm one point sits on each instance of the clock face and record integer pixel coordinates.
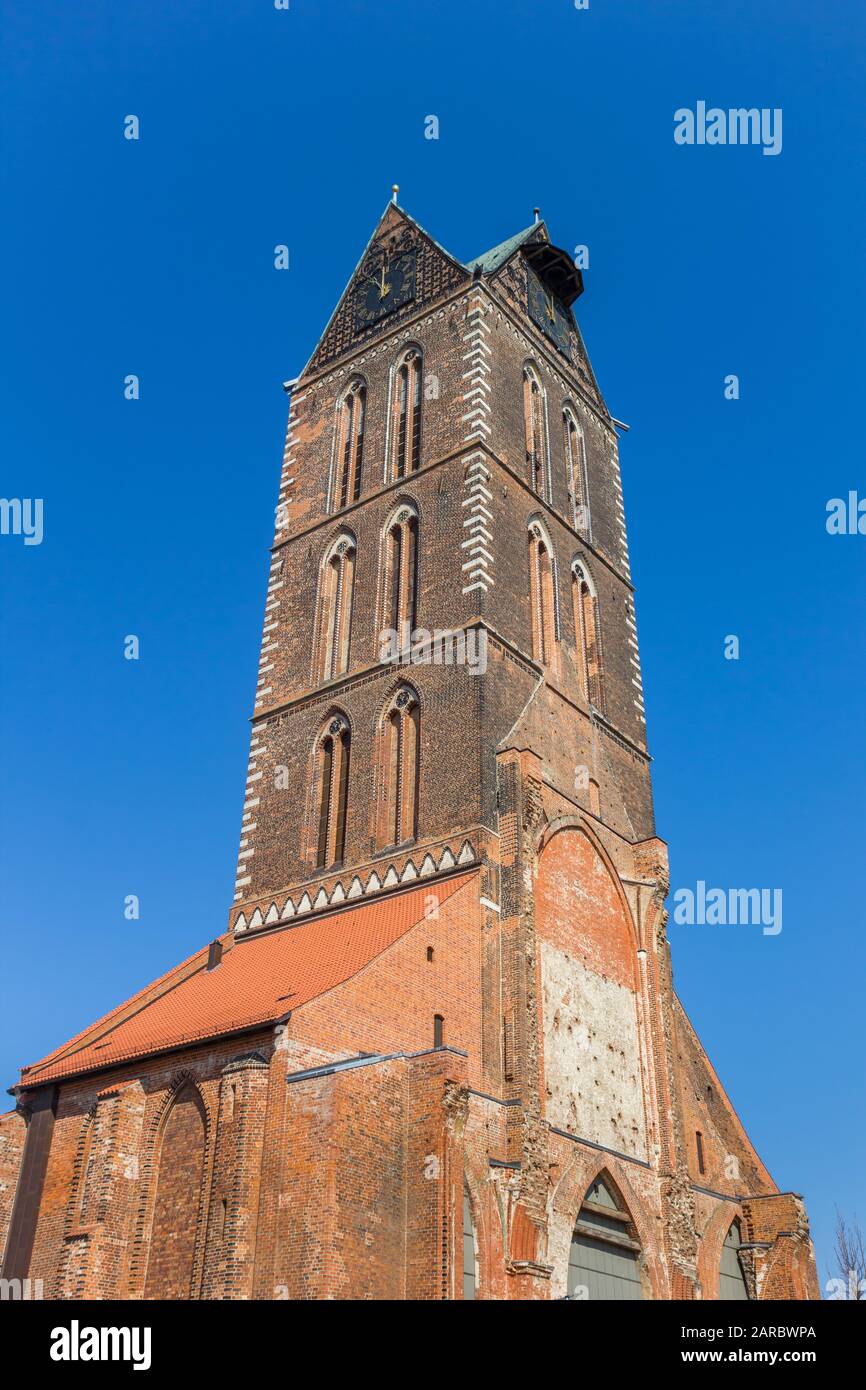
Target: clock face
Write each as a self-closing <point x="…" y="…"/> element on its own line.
<point x="388" y="288"/>
<point x="549" y="314"/>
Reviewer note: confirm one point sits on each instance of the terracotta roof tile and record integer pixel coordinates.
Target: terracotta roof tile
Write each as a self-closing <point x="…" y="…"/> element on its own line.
<point x="261" y="978"/>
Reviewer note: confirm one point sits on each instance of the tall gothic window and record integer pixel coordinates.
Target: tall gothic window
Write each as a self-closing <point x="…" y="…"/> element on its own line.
<point x="587" y="635"/>
<point x="335" y="609"/>
<point x="333" y="786"/>
<point x="406" y="415"/>
<point x="575" y="465"/>
<point x="401" y="757"/>
<point x="350" y="445"/>
<point x="533" y="417"/>
<point x="401" y="573"/>
<point x="542" y="591"/>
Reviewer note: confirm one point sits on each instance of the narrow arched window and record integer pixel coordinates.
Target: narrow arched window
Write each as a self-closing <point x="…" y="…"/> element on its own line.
<point x="605" y="1254"/>
<point x="575" y="468"/>
<point x="406" y="415"/>
<point x="402" y="763"/>
<point x="350" y="445"/>
<point x="401" y="575"/>
<point x="587" y="636"/>
<point x="732" y="1283"/>
<point x="333" y="787"/>
<point x="699" y="1146"/>
<point x="533" y="418"/>
<point x="335" y="609"/>
<point x="542" y="592"/>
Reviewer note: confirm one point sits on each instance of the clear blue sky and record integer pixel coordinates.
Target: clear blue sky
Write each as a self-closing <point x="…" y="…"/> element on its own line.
<point x="261" y="127"/>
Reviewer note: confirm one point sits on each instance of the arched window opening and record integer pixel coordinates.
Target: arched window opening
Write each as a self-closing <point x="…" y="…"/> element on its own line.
<point x="470" y="1270"/>
<point x="732" y="1283"/>
<point x="542" y="597"/>
<point x="401" y="575"/>
<point x="575" y="465"/>
<point x="333" y="782"/>
<point x="438" y="1030"/>
<point x="402" y="768"/>
<point x="335" y="624"/>
<point x="533" y="418"/>
<point x="604" y="1257"/>
<point x="350" y="444"/>
<point x="406" y="418"/>
<point x="587" y="637"/>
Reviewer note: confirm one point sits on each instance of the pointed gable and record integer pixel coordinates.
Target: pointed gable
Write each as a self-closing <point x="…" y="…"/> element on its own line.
<point x="436" y="273"/>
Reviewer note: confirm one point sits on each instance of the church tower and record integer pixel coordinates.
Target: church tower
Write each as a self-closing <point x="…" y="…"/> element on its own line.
<point x="437" y="1053"/>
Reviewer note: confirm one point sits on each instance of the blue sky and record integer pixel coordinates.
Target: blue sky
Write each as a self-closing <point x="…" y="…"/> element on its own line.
<point x="155" y="257"/>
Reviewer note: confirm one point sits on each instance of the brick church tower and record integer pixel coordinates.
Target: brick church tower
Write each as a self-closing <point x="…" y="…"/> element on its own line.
<point x="437" y="1053"/>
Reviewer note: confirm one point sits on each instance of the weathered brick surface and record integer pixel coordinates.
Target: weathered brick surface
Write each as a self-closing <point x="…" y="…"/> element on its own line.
<point x="12" y="1130"/>
<point x="326" y="1155"/>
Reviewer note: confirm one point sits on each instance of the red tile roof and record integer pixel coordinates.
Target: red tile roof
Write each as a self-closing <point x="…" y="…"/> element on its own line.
<point x="260" y="979"/>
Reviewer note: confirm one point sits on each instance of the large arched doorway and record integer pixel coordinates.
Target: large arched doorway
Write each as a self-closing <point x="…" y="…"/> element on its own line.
<point x="732" y="1284"/>
<point x="603" y="1262"/>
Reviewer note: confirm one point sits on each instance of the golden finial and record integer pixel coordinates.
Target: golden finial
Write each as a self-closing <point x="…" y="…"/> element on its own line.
<point x="395" y="189"/>
<point x="537" y="212"/>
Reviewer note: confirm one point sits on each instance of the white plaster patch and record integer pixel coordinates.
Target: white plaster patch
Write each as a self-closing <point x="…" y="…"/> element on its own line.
<point x="592" y="1066"/>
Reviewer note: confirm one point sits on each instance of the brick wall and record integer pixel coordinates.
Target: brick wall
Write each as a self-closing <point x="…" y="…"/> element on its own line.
<point x="12" y="1132"/>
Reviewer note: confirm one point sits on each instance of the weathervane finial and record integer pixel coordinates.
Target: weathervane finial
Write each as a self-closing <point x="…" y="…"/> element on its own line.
<point x="537" y="212"/>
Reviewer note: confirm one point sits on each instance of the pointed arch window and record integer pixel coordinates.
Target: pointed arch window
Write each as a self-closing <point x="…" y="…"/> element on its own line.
<point x="335" y="609"/>
<point x="587" y="636"/>
<point x="533" y="418"/>
<point x="542" y="591"/>
<point x="575" y="467"/>
<point x="406" y="415"/>
<point x="402" y="763"/>
<point x="401" y="574"/>
<point x="604" y="1261"/>
<point x="732" y="1283"/>
<point x="350" y="445"/>
<point x="332" y="757"/>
